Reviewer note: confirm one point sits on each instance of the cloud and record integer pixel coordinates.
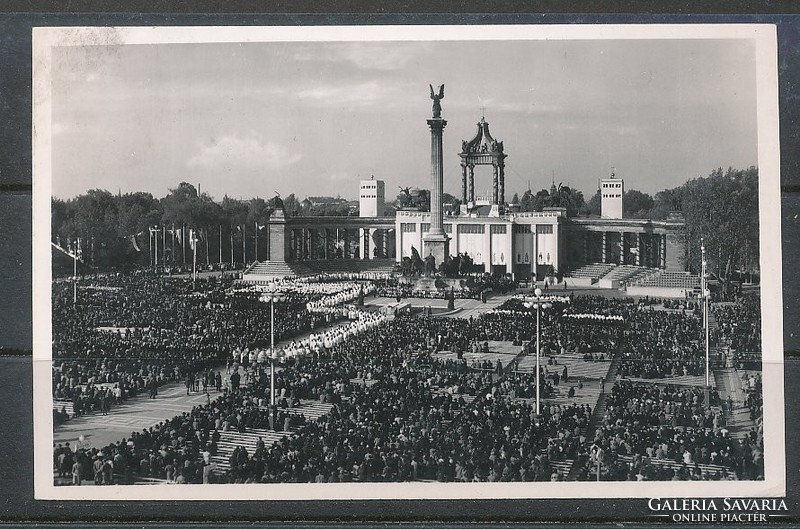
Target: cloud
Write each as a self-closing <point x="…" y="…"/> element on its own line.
<point x="242" y="151"/>
<point x="495" y="106"/>
<point x="362" y="94"/>
<point x="341" y="177"/>
<point x="384" y="56"/>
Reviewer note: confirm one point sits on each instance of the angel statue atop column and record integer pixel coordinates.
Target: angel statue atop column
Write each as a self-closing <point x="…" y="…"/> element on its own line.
<point x="437" y="106"/>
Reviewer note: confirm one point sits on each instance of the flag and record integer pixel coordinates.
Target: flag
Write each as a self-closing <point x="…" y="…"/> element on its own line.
<point x="192" y="239"/>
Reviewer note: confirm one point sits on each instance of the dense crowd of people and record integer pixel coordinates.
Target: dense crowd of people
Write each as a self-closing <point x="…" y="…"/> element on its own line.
<point x="137" y="330"/>
<point x="422" y="416"/>
<point x="668" y="433"/>
<point x="739" y="324"/>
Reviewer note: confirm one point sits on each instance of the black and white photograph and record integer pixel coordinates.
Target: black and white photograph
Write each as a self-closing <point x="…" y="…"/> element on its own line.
<point x="412" y="262"/>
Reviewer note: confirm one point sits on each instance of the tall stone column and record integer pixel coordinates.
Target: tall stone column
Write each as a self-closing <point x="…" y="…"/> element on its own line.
<point x="436" y="242"/>
<point x="437" y="174"/>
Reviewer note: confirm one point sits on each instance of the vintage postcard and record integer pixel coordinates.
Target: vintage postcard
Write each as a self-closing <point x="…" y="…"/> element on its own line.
<point x="412" y="262"/>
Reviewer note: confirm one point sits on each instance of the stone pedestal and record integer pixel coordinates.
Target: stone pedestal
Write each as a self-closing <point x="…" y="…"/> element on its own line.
<point x="279" y="244"/>
<point x="436" y="245"/>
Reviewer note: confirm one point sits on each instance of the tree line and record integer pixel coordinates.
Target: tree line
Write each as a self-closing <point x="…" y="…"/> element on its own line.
<point x="110" y="231"/>
<point x="113" y="231"/>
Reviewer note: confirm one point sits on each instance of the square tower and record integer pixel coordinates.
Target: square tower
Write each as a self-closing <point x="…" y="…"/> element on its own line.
<point x="371" y="198"/>
<point x="611" y="191"/>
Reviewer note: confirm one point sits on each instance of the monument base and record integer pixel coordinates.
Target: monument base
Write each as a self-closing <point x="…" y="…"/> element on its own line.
<point x="436" y="245"/>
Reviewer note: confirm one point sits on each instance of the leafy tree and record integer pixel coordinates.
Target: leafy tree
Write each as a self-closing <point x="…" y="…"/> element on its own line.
<point x="722" y="209"/>
<point x="447" y="198"/>
<point x="636" y="205"/>
<point x="558" y="197"/>
<point x="593" y="206"/>
<point x="292" y="206"/>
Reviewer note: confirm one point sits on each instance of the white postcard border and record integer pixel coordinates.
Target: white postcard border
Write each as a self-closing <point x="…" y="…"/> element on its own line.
<point x="764" y="37"/>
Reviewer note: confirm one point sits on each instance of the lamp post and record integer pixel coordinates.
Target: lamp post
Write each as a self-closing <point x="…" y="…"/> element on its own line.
<point x="75" y="278"/>
<point x="195" y="240"/>
<point x="706" y="293"/>
<point x="272" y="297"/>
<point x="539" y="303"/>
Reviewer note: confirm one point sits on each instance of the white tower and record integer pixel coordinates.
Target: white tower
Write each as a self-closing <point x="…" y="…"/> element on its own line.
<point x="611" y="191"/>
<point x="371" y="198"/>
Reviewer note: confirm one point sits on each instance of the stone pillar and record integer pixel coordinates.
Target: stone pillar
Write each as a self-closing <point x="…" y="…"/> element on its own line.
<point x="313" y="244"/>
<point x="471" y="183"/>
<point x="464" y="195"/>
<point x="502" y="180"/>
<point x="436" y="241"/>
<point x="639" y="249"/>
<point x="495" y="185"/>
<point x="585" y="258"/>
<point x="299" y="234"/>
<point x="663" y="247"/>
<point x="371" y="244"/>
<point x="621" y="258"/>
<point x="603" y="249"/>
<point x="345" y="244"/>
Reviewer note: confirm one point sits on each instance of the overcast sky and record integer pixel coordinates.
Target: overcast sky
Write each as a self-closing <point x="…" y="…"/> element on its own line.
<point x="314" y="118"/>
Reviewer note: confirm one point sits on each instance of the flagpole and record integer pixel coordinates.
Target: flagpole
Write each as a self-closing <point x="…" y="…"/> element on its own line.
<point x="220" y="244"/>
<point x="183" y="243"/>
<point x="75" y="276"/>
<point x="256" y="223"/>
<point x="150" y="245"/>
<point x="193" y="238"/>
<point x="208" y="257"/>
<point x="232" y="246"/>
<point x="244" y="244"/>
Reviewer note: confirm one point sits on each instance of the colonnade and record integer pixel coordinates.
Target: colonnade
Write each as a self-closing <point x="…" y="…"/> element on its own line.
<point x="340" y="243"/>
<point x="621" y="247"/>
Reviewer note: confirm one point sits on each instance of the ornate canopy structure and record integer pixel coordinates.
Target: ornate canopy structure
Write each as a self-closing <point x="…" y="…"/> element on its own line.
<point x="482" y="150"/>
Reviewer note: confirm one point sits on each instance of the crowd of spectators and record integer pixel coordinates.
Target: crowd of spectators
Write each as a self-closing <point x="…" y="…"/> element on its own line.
<point x="668" y="433"/>
<point x="420" y="418"/>
<point x="739" y="324"/>
<point x="135" y="331"/>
